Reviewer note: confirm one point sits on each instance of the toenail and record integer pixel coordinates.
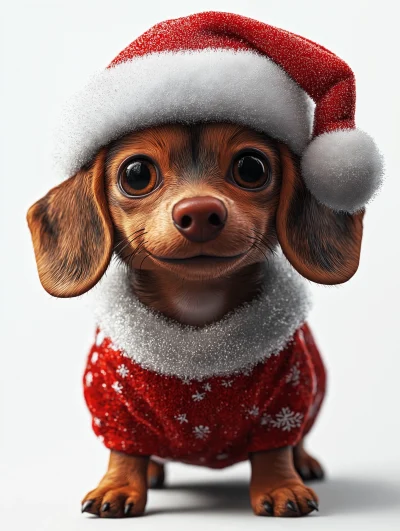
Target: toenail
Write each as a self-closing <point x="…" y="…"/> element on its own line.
<point x="291" y="506"/>
<point x="106" y="507"/>
<point x="313" y="505"/>
<point x="267" y="507"/>
<point x="127" y="508"/>
<point x="86" y="505"/>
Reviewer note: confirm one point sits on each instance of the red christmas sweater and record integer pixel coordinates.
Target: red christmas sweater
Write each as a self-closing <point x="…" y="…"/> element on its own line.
<point x="215" y="418"/>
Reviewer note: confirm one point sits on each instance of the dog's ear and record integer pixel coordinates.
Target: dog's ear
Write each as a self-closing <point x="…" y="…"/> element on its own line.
<point x="323" y="245"/>
<point x="72" y="232"/>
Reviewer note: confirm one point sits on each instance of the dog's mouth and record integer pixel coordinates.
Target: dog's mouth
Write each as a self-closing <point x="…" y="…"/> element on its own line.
<point x="200" y="259"/>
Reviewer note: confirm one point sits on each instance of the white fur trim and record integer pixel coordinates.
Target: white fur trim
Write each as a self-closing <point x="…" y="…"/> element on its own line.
<point x="343" y="169"/>
<point x="240" y="340"/>
<point x="190" y="86"/>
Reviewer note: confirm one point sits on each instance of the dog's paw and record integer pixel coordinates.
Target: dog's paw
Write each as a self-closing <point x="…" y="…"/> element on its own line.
<point x="289" y="500"/>
<point x="115" y="501"/>
<point x="306" y="466"/>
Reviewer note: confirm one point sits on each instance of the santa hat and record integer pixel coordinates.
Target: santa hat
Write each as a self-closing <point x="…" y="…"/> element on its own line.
<point x="223" y="67"/>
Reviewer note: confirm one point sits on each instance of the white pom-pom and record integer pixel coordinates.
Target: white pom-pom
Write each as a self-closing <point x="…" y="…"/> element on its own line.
<point x="343" y="169"/>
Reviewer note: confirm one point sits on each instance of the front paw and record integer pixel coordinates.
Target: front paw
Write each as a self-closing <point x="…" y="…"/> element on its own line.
<point x="289" y="499"/>
<point x="113" y="500"/>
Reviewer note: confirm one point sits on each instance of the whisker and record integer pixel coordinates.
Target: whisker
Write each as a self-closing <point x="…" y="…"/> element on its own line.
<point x="257" y="246"/>
<point x="127" y="238"/>
<point x="129" y="259"/>
<point x="262" y="237"/>
<point x="131" y="241"/>
<point x="141" y="263"/>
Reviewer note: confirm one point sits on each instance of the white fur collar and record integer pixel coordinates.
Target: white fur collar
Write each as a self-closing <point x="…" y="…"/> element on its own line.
<point x="240" y="340"/>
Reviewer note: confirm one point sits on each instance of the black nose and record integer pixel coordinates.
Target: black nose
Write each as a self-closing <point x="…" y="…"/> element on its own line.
<point x="199" y="219"/>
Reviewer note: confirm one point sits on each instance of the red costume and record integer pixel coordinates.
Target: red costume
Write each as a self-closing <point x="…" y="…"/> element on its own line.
<point x="214" y="422"/>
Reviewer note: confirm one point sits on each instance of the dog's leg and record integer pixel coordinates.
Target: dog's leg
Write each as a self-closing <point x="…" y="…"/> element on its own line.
<point x="306" y="466"/>
<point x="155" y="475"/>
<point x="276" y="489"/>
<point x="123" y="489"/>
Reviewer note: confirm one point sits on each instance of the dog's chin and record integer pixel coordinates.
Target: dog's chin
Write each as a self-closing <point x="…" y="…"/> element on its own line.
<point x="201" y="267"/>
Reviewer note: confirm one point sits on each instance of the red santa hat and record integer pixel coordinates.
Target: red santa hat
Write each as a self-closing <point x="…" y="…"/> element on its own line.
<point x="224" y="67"/>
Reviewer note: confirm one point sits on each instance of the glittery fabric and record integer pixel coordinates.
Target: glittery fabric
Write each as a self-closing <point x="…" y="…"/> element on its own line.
<point x="214" y="422"/>
<point x="325" y="77"/>
<point x="239" y="341"/>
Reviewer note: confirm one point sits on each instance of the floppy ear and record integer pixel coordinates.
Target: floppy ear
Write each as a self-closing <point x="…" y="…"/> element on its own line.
<point x="322" y="244"/>
<point x="72" y="232"/>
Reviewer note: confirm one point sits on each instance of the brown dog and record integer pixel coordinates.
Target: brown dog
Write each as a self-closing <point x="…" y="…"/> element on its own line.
<point x="194" y="229"/>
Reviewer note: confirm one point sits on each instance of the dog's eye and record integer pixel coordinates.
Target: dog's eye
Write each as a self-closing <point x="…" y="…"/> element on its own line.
<point x="251" y="171"/>
<point x="138" y="177"/>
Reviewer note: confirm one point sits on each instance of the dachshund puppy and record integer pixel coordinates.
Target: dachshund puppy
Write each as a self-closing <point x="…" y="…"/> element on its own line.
<point x="196" y="215"/>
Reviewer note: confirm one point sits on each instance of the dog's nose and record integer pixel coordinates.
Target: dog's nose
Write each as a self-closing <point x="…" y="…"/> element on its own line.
<point x="199" y="219"/>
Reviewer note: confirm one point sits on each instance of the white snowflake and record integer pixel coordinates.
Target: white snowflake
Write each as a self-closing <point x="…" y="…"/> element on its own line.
<point x="254" y="411"/>
<point x="117" y="387"/>
<point x="186" y="381"/>
<point x="197" y="397"/>
<point x="181" y="418"/>
<point x="293" y="376"/>
<point x="201" y="432"/>
<point x="287" y="419"/>
<point x="97" y="421"/>
<point x="266" y="420"/>
<point x="89" y="379"/>
<point x="95" y="357"/>
<point x="123" y="371"/>
<point x="207" y="387"/>
<point x="227" y="383"/>
<point x="99" y="338"/>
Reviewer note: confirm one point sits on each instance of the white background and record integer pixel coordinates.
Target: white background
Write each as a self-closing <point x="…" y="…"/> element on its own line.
<point x="49" y="456"/>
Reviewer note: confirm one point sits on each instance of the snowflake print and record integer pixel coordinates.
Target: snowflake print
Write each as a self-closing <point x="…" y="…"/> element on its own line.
<point x="181" y="418"/>
<point x="95" y="357"/>
<point x="293" y="376"/>
<point x="197" y="397"/>
<point x="89" y="379"/>
<point x="254" y="411"/>
<point x="201" y="432"/>
<point x="97" y="421"/>
<point x="286" y="419"/>
<point x="227" y="383"/>
<point x="99" y="338"/>
<point x="266" y="420"/>
<point x="123" y="371"/>
<point x="117" y="387"/>
<point x="207" y="387"/>
<point x="186" y="381"/>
